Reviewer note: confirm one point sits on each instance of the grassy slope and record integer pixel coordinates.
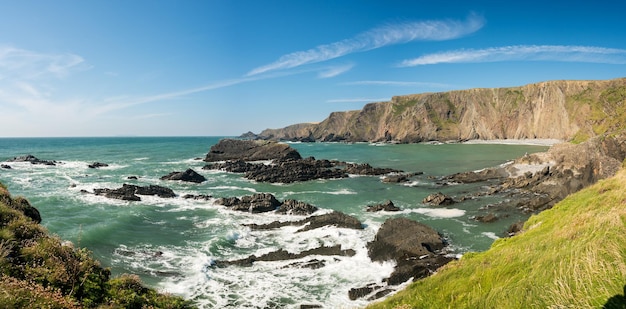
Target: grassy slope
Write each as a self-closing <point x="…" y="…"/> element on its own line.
<point x="571" y="256"/>
<point x="38" y="271"/>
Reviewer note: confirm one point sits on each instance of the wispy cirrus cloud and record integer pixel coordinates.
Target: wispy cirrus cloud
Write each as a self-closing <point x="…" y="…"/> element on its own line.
<point x="334" y="71"/>
<point x="397" y="83"/>
<point x="20" y="64"/>
<point x="565" y="53"/>
<point x="390" y="34"/>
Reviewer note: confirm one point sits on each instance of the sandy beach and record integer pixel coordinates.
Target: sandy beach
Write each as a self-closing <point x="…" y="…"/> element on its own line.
<point x="530" y="141"/>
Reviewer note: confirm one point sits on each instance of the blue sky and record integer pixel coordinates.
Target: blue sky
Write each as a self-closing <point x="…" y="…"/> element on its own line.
<point x="178" y="68"/>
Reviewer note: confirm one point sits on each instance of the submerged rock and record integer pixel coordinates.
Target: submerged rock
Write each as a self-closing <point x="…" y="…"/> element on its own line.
<point x="189" y="176"/>
<point x="33" y="160"/>
<point x="97" y="165"/>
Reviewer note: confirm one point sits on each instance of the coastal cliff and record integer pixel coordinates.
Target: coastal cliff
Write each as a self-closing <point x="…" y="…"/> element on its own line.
<point x="565" y="110"/>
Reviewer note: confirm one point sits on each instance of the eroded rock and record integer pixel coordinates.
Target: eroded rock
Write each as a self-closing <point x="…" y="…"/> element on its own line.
<point x="129" y="192"/>
<point x="188" y="175"/>
<point x="386" y="206"/>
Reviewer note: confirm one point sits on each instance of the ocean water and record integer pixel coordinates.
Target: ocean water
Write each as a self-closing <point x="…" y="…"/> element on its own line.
<point x="172" y="243"/>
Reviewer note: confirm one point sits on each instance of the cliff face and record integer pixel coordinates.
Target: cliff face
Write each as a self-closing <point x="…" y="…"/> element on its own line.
<point x="556" y="109"/>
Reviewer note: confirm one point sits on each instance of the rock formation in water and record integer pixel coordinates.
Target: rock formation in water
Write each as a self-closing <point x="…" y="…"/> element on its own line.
<point x="287" y="165"/>
<point x="536" y="182"/>
<point x="189" y="176"/>
<point x="233" y="149"/>
<point x="562" y="110"/>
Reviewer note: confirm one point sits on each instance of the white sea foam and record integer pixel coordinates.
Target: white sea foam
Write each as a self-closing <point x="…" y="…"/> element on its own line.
<point x="439" y="212"/>
<point x="234" y="188"/>
<point x="491" y="235"/>
<point x="266" y="282"/>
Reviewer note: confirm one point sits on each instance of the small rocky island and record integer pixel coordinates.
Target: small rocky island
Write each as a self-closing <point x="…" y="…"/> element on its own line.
<point x="286" y="166"/>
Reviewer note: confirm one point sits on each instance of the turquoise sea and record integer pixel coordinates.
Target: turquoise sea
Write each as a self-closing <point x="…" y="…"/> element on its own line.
<point x="171" y="243"/>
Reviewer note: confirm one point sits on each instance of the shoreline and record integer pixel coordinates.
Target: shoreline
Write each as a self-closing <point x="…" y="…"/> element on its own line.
<point x="530" y="141"/>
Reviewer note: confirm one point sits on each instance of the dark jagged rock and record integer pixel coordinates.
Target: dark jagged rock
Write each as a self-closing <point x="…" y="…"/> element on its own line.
<point x="129" y="192"/>
<point x="33" y="160"/>
<point x="97" y="165"/>
<point x="287" y="165"/>
<point x="488" y="218"/>
<point x="282" y="255"/>
<point x="198" y="197"/>
<point x="257" y="203"/>
<point x="236" y="166"/>
<point x="438" y="199"/>
<point x="416" y="248"/>
<point x="189" y="176"/>
<point x="366" y="169"/>
<point x="232" y="149"/>
<point x="289" y="170"/>
<point x="298" y="208"/>
<point x="386" y="206"/>
<point x="335" y="218"/>
<point x="312" y="264"/>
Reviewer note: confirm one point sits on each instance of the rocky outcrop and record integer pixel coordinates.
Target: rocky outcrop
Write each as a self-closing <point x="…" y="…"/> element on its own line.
<point x="129" y="192"/>
<point x="556" y="109"/>
<point x="33" y="160"/>
<point x="188" y="176"/>
<point x="335" y="218"/>
<point x="257" y="203"/>
<point x="282" y="255"/>
<point x="538" y="181"/>
<point x="438" y="199"/>
<point x="416" y="248"/>
<point x="262" y="202"/>
<point x="386" y="206"/>
<point x="294" y="170"/>
<point x="232" y="149"/>
<point x="296" y="208"/>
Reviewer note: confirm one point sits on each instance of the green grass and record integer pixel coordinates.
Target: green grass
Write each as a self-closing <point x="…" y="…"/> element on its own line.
<point x="571" y="256"/>
<point x="38" y="271"/>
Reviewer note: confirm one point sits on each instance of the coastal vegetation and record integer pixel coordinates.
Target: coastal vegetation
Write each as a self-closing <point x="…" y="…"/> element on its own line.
<point x="39" y="270"/>
<point x="570" y="256"/>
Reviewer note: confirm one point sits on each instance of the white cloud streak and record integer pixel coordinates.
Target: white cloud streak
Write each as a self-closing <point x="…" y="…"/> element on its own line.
<point x="18" y="63"/>
<point x="563" y="53"/>
<point x="334" y="71"/>
<point x="434" y="30"/>
<point x="396" y="83"/>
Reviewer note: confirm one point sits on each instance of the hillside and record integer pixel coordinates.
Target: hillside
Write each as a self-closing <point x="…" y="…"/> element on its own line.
<point x="570" y="256"/>
<point x="38" y="270"/>
<point x="566" y="110"/>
